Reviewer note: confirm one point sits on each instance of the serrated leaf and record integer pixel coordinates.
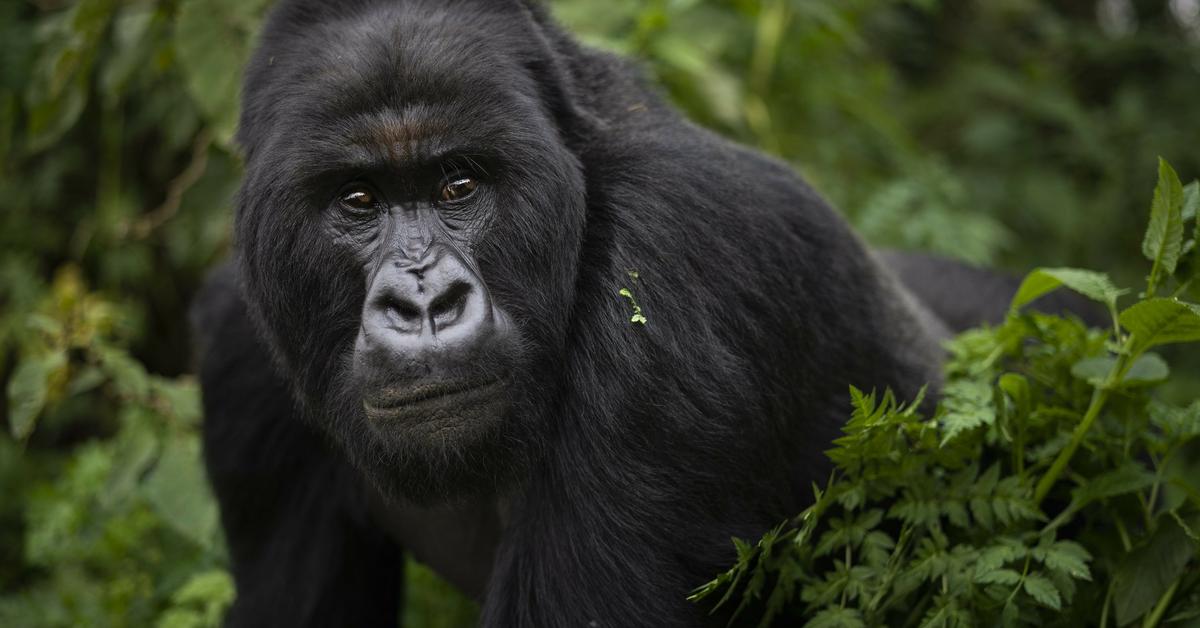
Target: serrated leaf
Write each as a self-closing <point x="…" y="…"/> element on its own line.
<point x="1066" y="557"/>
<point x="1091" y="284"/>
<point x="1041" y="589"/>
<point x="966" y="404"/>
<point x="29" y="389"/>
<point x="1148" y="571"/>
<point x="1164" y="235"/>
<point x="836" y="618"/>
<point x="1006" y="577"/>
<point x="1161" y="321"/>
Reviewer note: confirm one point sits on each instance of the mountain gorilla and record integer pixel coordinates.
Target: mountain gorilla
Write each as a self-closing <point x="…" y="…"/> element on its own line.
<point x="424" y="344"/>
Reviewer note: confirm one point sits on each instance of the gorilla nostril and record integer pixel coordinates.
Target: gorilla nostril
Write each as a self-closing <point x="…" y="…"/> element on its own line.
<point x="404" y="314"/>
<point x="449" y="306"/>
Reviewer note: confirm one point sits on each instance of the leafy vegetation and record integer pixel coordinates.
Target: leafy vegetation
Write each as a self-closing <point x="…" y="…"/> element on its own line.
<point x="1049" y="488"/>
<point x="1001" y="132"/>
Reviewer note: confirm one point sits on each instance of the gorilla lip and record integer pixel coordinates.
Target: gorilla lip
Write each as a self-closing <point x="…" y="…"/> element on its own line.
<point x="398" y="398"/>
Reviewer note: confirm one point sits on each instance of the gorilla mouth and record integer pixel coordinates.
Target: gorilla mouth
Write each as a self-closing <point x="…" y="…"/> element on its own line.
<point x="396" y="402"/>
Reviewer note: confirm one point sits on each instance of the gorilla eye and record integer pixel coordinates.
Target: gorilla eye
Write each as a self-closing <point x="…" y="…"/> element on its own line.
<point x="457" y="188"/>
<point x="359" y="199"/>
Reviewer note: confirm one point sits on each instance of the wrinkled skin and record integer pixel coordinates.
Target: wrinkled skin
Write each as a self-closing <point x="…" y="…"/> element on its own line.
<point x="423" y="346"/>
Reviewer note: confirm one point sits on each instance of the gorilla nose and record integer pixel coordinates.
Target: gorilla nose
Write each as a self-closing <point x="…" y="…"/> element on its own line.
<point x="434" y="301"/>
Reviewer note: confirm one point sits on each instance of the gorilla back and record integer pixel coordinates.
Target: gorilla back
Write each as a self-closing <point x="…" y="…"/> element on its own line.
<point x="424" y="345"/>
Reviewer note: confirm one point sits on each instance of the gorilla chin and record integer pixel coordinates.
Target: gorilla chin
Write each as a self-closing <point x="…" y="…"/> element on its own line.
<point x="436" y="440"/>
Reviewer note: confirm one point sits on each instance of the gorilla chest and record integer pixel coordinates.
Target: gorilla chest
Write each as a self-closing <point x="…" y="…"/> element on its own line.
<point x="457" y="541"/>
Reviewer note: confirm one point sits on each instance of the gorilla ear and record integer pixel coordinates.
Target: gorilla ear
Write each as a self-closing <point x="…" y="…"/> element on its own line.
<point x="551" y="69"/>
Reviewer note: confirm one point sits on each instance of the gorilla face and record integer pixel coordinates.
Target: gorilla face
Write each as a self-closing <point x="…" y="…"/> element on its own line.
<point x="408" y="231"/>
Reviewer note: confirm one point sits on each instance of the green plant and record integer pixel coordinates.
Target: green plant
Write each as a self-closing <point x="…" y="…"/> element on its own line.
<point x="1050" y="488"/>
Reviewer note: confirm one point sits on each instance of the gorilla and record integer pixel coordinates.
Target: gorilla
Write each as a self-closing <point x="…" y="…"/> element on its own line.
<point x="427" y="341"/>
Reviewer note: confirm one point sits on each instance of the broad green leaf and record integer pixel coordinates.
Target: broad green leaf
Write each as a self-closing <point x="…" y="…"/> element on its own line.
<point x="206" y="595"/>
<point x="1191" y="200"/>
<point x="1148" y="571"/>
<point x="131" y="28"/>
<point x="1091" y="284"/>
<point x="51" y="118"/>
<point x="128" y="375"/>
<point x="1164" y="236"/>
<point x="135" y="448"/>
<point x="1016" y="386"/>
<point x="29" y="389"/>
<point x="1150" y="368"/>
<point x="213" y="39"/>
<point x="58" y="92"/>
<point x="1191" y="205"/>
<point x="1161" y="321"/>
<point x="1094" y="370"/>
<point x="178" y="491"/>
<point x="1125" y="479"/>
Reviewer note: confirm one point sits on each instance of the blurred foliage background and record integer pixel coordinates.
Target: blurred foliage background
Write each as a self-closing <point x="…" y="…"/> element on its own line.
<point x="1010" y="133"/>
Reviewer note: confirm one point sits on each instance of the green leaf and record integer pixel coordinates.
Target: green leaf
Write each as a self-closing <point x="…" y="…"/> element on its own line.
<point x="1161" y="321"/>
<point x="29" y="389"/>
<point x="836" y="618"/>
<point x="129" y="376"/>
<point x="1150" y="368"/>
<point x="1006" y="577"/>
<point x="58" y="93"/>
<point x="1164" y="236"/>
<point x="1040" y="588"/>
<point x="213" y="39"/>
<point x="1191" y="201"/>
<point x="967" y="404"/>
<point x="1094" y="370"/>
<point x="1148" y="571"/>
<point x="204" y="598"/>
<point x="1091" y="284"/>
<point x="1066" y="557"/>
<point x="1191" y="205"/>
<point x="178" y="491"/>
<point x="1129" y="477"/>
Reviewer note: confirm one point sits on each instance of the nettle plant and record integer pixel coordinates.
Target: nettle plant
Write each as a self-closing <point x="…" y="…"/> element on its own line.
<point x="1050" y="488"/>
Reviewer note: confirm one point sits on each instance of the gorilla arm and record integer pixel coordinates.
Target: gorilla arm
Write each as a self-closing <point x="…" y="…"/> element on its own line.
<point x="296" y="521"/>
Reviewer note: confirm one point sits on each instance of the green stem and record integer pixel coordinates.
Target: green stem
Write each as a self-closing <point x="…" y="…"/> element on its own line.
<point x="1182" y="288"/>
<point x="1116" y="318"/>
<point x="1107" y="603"/>
<point x="1099" y="397"/>
<point x="1123" y="533"/>
<point x="1152" y="281"/>
<point x="1160" y="609"/>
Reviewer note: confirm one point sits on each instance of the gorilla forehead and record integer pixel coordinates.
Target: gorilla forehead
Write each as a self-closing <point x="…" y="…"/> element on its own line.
<point x="395" y="80"/>
<point x="399" y="54"/>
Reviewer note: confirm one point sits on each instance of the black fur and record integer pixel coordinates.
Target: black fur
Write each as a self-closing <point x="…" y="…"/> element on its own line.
<point x="631" y="453"/>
